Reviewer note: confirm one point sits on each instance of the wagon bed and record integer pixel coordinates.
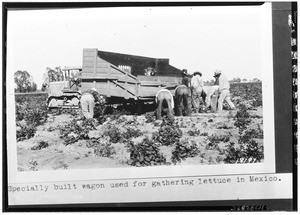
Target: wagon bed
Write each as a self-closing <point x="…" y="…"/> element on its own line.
<point x="115" y="82"/>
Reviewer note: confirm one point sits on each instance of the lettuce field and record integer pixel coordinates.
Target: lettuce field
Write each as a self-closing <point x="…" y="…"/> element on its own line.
<point x="63" y="139"/>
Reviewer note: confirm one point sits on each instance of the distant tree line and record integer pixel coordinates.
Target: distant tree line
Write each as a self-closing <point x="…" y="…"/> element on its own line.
<point x="24" y="82"/>
<point x="238" y="80"/>
<point x="234" y="80"/>
<point x="52" y="75"/>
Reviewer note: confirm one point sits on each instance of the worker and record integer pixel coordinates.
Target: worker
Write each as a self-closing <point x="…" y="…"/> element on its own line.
<point x="196" y="87"/>
<point x="88" y="100"/>
<point x="181" y="100"/>
<point x="185" y="78"/>
<point x="149" y="71"/>
<point x="161" y="96"/>
<point x="210" y="96"/>
<point x="224" y="87"/>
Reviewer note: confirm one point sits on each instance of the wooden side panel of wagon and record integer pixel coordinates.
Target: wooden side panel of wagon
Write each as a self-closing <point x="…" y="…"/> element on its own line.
<point x="150" y="85"/>
<point x="107" y="78"/>
<point x="112" y="81"/>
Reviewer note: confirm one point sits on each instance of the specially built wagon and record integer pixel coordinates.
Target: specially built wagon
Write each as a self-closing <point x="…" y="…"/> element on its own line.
<point x="121" y="77"/>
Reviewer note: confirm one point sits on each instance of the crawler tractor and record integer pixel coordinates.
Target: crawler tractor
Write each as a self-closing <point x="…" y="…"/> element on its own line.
<point x="65" y="93"/>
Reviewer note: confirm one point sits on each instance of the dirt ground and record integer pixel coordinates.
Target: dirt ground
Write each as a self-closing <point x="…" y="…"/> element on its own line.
<point x="57" y="155"/>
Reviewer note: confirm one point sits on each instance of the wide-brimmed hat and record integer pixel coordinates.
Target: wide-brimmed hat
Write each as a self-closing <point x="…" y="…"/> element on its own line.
<point x="217" y="72"/>
<point x="198" y="73"/>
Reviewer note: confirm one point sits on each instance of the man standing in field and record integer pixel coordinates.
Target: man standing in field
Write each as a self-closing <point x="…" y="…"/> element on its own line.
<point x="88" y="100"/>
<point x="182" y="95"/>
<point x="196" y="86"/>
<point x="224" y="87"/>
<point x="186" y="80"/>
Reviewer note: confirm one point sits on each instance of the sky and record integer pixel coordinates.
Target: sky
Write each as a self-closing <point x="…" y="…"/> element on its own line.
<point x="195" y="38"/>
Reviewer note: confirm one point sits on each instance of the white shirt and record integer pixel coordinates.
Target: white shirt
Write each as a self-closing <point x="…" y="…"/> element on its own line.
<point x="210" y="90"/>
<point x="197" y="83"/>
<point x="223" y="83"/>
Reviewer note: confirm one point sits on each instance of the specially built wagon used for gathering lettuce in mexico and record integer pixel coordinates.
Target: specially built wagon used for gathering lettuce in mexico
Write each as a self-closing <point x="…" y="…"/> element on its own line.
<point x="123" y="78"/>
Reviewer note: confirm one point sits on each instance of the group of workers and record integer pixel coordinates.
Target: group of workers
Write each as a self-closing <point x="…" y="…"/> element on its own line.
<point x="212" y="96"/>
<point x="189" y="89"/>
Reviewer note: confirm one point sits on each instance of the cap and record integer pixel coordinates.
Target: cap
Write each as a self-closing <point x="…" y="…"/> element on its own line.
<point x="217" y="72"/>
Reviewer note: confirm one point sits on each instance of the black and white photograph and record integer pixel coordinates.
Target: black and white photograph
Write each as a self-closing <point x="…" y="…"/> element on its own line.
<point x="97" y="91"/>
<point x="113" y="93"/>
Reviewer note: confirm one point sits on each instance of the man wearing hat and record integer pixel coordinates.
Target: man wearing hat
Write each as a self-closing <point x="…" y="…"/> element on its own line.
<point x="183" y="95"/>
<point x="224" y="87"/>
<point x="88" y="100"/>
<point x="196" y="86"/>
<point x="185" y="78"/>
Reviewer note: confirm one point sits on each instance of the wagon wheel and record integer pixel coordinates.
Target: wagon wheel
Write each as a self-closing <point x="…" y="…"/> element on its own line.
<point x="139" y="107"/>
<point x="103" y="99"/>
<point x="101" y="104"/>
